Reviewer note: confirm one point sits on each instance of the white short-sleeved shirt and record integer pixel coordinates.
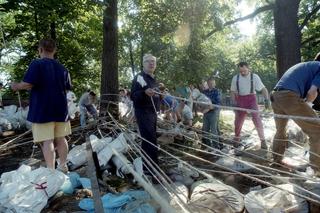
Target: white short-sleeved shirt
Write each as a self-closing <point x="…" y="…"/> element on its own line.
<point x="245" y="84"/>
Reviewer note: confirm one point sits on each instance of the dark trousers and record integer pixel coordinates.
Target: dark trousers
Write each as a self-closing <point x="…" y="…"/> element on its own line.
<point x="147" y="122"/>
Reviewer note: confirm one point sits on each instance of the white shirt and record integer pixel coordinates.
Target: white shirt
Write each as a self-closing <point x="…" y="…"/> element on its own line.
<point x="245" y="84"/>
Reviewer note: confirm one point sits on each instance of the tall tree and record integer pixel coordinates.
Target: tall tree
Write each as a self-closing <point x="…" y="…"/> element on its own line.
<point x="287" y="34"/>
<point x="109" y="75"/>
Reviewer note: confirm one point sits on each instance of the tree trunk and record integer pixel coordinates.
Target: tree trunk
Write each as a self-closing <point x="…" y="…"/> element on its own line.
<point x="109" y="75"/>
<point x="131" y="58"/>
<point x="287" y="34"/>
<point x="53" y="33"/>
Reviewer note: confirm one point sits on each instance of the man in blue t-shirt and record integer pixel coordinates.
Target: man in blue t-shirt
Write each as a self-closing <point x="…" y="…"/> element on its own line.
<point x="48" y="81"/>
<point x="211" y="118"/>
<point x="293" y="95"/>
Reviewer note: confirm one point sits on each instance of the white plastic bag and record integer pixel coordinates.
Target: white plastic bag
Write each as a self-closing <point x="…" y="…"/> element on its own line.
<point x="28" y="191"/>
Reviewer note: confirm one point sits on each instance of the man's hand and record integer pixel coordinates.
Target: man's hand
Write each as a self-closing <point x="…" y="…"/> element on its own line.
<point x="149" y="92"/>
<point x="266" y="103"/>
<point x="310" y="104"/>
<point x="21" y="86"/>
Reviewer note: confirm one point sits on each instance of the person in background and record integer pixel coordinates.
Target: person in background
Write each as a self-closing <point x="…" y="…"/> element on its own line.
<point x="49" y="82"/>
<point x="86" y="105"/>
<point x="146" y="104"/>
<point x="293" y="95"/>
<point x="169" y="105"/>
<point x="211" y="118"/>
<point x="243" y="95"/>
<point x="1" y="86"/>
<point x="184" y="113"/>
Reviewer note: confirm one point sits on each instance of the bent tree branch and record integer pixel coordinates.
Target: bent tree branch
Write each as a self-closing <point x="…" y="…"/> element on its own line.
<point x="309" y="17"/>
<point x="252" y="15"/>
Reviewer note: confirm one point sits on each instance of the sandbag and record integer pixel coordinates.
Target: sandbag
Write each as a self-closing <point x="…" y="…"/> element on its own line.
<point x="296" y="157"/>
<point x="122" y="168"/>
<point x="77" y="155"/>
<point x="215" y="197"/>
<point x="119" y="144"/>
<point x="28" y="191"/>
<point x="233" y="164"/>
<point x="180" y="189"/>
<point x="274" y="200"/>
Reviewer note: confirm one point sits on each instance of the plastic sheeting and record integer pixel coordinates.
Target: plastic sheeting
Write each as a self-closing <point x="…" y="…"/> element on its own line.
<point x="275" y="200"/>
<point x="127" y="202"/>
<point x="215" y="197"/>
<point x="73" y="107"/>
<point x="27" y="191"/>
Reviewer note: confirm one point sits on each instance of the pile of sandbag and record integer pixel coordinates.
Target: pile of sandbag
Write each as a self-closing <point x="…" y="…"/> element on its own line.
<point x="103" y="147"/>
<point x="275" y="200"/>
<point x="26" y="190"/>
<point x="215" y="196"/>
<point x="12" y="117"/>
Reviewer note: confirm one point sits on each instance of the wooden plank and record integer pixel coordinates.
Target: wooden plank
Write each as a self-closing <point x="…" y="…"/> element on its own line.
<point x="91" y="173"/>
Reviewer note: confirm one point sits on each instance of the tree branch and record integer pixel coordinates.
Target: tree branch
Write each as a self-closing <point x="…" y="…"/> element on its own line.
<point x="311" y="39"/>
<point x="309" y="16"/>
<point x="252" y="15"/>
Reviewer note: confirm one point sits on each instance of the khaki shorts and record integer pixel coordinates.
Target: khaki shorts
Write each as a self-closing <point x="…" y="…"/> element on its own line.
<point x="49" y="131"/>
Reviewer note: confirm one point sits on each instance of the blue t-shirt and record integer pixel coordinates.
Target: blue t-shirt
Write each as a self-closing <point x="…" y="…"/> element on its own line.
<point x="169" y="101"/>
<point x="214" y="95"/>
<point x="48" y="99"/>
<point x="301" y="77"/>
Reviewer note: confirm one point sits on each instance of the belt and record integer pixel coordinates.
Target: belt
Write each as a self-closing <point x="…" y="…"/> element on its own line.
<point x="279" y="89"/>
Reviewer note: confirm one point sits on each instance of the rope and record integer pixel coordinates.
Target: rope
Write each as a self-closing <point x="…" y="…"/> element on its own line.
<point x="148" y="187"/>
<point x="243" y="151"/>
<point x="256" y="179"/>
<point x="294" y="117"/>
<point x="157" y="170"/>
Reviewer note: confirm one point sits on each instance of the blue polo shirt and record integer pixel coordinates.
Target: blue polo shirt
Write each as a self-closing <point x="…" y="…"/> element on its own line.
<point x="214" y="95"/>
<point x="301" y="77"/>
<point x="48" y="99"/>
<point x="170" y="101"/>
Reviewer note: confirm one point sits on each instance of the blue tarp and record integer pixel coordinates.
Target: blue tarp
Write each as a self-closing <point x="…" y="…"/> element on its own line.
<point x="127" y="202"/>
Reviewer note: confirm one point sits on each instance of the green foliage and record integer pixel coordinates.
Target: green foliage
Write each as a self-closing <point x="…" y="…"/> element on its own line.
<point x="173" y="30"/>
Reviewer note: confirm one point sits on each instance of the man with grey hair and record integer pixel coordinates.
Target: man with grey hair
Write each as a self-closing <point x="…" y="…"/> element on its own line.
<point x="146" y="104"/>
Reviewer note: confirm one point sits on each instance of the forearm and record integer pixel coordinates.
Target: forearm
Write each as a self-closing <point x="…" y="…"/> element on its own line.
<point x="265" y="93"/>
<point x="21" y="86"/>
<point x="312" y="94"/>
<point x="233" y="96"/>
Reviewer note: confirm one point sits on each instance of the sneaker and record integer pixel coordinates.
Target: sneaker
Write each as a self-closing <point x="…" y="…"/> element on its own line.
<point x="63" y="168"/>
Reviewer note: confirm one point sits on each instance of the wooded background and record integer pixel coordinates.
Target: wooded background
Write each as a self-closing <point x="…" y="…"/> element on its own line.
<point x="102" y="43"/>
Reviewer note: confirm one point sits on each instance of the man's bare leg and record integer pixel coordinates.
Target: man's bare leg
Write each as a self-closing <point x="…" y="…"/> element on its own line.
<point x="49" y="153"/>
<point x="62" y="149"/>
